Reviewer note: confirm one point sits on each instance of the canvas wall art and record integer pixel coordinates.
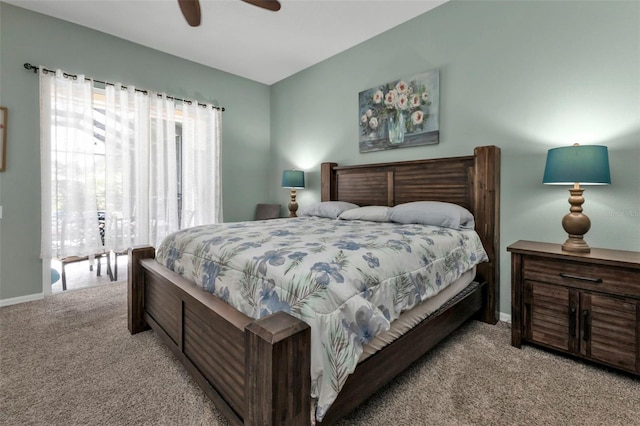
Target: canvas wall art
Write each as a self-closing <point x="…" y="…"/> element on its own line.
<point x="401" y="113"/>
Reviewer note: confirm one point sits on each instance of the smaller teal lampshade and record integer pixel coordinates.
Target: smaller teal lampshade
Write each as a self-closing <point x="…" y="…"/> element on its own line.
<point x="585" y="164"/>
<point x="293" y="179"/>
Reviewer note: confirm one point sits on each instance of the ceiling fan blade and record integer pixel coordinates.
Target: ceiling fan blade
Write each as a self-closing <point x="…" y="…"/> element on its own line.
<point x="273" y="5"/>
<point x="191" y="11"/>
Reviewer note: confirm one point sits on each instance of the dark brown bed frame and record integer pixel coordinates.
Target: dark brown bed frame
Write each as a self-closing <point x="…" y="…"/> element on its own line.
<point x="258" y="371"/>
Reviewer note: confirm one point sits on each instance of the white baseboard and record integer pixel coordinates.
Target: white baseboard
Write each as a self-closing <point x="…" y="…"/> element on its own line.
<point x="505" y="317"/>
<point x="21" y="299"/>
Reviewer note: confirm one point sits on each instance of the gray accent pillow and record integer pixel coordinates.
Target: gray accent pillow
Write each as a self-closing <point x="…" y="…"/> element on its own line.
<point x="435" y="213"/>
<point x="329" y="209"/>
<point x="370" y="213"/>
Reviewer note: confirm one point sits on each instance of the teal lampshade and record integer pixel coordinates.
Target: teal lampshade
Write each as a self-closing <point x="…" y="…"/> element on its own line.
<point x="293" y="179"/>
<point x="585" y="164"/>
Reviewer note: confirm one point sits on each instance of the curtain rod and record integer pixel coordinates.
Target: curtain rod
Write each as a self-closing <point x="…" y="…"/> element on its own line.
<point x="35" y="69"/>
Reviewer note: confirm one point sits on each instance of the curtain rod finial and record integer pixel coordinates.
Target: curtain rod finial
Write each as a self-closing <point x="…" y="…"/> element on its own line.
<point x="31" y="67"/>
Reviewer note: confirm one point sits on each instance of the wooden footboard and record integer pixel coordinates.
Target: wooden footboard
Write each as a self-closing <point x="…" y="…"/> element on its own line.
<point x="257" y="372"/>
<point x="247" y="367"/>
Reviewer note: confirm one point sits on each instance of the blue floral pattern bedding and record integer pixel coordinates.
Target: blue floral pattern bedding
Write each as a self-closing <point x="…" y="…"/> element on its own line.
<point x="347" y="279"/>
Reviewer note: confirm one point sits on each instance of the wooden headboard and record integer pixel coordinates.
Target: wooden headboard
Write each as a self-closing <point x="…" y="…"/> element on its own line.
<point x="471" y="181"/>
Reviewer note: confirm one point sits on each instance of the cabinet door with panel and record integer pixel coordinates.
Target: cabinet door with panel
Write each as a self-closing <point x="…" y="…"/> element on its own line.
<point x="609" y="329"/>
<point x="550" y="315"/>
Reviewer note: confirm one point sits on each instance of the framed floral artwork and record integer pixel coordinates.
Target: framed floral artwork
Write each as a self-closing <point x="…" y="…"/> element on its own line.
<point x="401" y="113"/>
<point x="3" y="138"/>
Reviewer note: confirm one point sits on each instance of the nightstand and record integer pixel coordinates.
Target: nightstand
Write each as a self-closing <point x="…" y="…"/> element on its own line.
<point x="583" y="304"/>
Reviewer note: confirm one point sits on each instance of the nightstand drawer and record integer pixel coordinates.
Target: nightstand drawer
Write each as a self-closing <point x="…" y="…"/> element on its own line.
<point x="621" y="281"/>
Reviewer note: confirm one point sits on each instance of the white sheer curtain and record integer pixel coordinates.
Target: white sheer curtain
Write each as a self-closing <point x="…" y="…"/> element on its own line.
<point x="201" y="165"/>
<point x="69" y="209"/>
<point x="163" y="169"/>
<point x="142" y="168"/>
<point x="126" y="165"/>
<point x="146" y="165"/>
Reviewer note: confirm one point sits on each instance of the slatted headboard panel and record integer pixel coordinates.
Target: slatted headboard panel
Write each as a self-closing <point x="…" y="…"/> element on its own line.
<point x="471" y="181"/>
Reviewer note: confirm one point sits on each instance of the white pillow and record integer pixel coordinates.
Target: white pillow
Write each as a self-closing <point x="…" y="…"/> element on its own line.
<point x="435" y="213"/>
<point x="330" y="209"/>
<point x="370" y="213"/>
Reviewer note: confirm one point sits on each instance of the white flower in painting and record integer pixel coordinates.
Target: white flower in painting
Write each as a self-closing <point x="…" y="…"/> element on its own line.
<point x="402" y="102"/>
<point x="417" y="117"/>
<point x="369" y="113"/>
<point x="402" y="87"/>
<point x="377" y="97"/>
<point x="425" y="96"/>
<point x="390" y="98"/>
<point x="373" y="123"/>
<point x="414" y="101"/>
<point x="364" y="118"/>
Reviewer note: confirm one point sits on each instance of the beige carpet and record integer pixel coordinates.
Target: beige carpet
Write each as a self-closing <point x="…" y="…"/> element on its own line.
<point x="69" y="360"/>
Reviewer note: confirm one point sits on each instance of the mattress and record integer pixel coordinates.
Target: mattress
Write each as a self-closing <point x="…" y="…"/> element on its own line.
<point x="349" y="280"/>
<point x="409" y="319"/>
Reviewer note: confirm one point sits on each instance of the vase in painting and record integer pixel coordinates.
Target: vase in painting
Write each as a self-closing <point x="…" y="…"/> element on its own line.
<point x="395" y="126"/>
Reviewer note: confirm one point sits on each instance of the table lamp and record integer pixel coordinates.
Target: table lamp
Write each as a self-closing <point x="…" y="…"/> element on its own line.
<point x="575" y="165"/>
<point x="293" y="179"/>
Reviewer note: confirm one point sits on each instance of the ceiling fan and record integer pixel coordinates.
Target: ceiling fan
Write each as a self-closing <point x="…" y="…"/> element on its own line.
<point x="191" y="8"/>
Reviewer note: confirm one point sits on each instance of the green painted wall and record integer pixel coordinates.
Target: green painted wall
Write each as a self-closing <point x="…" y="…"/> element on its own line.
<point x="30" y="37"/>
<point x="525" y="76"/>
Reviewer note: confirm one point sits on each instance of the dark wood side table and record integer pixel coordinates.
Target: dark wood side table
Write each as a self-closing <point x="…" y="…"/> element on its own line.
<point x="583" y="304"/>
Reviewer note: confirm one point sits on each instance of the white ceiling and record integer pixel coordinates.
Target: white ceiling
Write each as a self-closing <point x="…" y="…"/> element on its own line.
<point x="237" y="37"/>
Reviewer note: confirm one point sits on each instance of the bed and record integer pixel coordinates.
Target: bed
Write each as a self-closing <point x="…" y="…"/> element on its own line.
<point x="249" y="367"/>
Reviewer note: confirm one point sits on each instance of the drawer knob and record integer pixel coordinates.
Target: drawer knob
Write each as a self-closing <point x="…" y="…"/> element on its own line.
<point x="579" y="277"/>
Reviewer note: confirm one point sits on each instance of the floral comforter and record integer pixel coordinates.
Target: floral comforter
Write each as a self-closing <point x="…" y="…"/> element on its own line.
<point x="347" y="279"/>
